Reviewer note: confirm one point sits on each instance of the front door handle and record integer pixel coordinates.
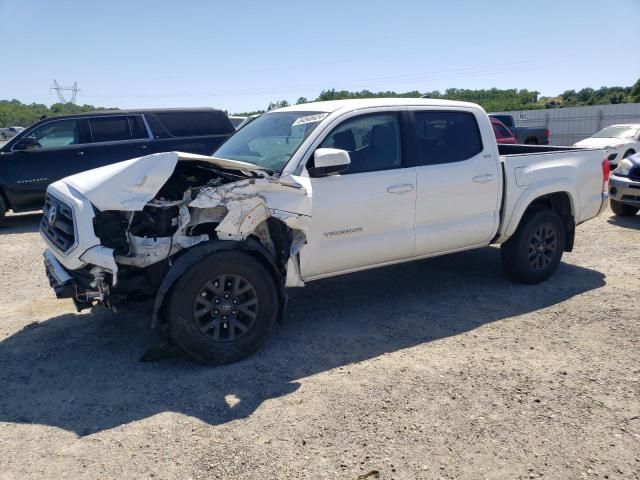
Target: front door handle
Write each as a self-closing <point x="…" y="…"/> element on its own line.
<point x="404" y="188"/>
<point x="79" y="154"/>
<point x="484" y="178"/>
<point x="143" y="147"/>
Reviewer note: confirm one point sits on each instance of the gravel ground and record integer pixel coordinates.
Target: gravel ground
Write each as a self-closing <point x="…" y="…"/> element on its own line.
<point x="434" y="369"/>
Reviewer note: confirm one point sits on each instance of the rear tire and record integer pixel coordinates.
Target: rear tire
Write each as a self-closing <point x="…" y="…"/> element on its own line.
<point x="531" y="141"/>
<point x="622" y="209"/>
<point x="3" y="207"/>
<point x="223" y="308"/>
<point x="533" y="253"/>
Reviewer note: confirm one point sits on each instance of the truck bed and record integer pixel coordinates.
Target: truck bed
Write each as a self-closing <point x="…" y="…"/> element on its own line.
<point x="531" y="170"/>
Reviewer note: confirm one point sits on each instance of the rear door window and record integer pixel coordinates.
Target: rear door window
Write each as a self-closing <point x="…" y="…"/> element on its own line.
<point x="138" y="129"/>
<point x="187" y="124"/>
<point x="116" y="128"/>
<point x="446" y="136"/>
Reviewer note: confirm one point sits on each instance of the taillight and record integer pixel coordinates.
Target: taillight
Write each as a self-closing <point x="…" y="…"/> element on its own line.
<point x="547" y="133"/>
<point x="606" y="169"/>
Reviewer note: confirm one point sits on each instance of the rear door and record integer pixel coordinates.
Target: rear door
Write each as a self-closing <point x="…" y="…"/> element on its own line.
<point x="363" y="216"/>
<point x="458" y="181"/>
<point x="116" y="138"/>
<point x="60" y="149"/>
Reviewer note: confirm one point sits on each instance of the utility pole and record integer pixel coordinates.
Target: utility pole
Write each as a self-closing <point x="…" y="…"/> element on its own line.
<point x="60" y="89"/>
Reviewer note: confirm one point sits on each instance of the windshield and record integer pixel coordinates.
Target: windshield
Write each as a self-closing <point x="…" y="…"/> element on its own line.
<point x="617" y="132"/>
<point x="506" y="119"/>
<point x="271" y="139"/>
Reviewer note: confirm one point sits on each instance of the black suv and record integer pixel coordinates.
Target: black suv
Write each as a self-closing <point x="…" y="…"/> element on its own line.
<point x="56" y="147"/>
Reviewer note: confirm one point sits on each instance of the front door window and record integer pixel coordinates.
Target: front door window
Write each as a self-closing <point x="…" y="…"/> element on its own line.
<point x="56" y="134"/>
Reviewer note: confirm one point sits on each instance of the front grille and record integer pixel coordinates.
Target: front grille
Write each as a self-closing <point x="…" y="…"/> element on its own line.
<point x="57" y="224"/>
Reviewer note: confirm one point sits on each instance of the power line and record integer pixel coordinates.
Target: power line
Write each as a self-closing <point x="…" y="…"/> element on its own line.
<point x="461" y="72"/>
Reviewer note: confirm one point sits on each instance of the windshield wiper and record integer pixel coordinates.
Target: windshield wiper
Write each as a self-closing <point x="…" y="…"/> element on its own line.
<point x="270" y="171"/>
<point x="223" y="173"/>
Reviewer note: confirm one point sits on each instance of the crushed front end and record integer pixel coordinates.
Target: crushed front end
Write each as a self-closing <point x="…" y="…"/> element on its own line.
<point x="113" y="233"/>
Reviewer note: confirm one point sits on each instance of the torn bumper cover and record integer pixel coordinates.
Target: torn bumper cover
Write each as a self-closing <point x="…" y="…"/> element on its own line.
<point x="59" y="278"/>
<point x="83" y="287"/>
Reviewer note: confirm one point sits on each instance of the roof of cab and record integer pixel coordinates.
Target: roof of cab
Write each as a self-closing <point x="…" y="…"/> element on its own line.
<point x="355" y="104"/>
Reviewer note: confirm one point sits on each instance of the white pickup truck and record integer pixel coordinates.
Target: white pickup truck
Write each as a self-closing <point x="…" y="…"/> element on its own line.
<point x="303" y="193"/>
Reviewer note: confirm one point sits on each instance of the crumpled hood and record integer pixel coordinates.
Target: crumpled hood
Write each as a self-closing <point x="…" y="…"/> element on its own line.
<point x="130" y="185"/>
<point x="599" y="142"/>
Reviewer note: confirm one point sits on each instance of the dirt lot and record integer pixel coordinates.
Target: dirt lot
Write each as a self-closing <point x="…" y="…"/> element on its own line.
<point x="436" y="369"/>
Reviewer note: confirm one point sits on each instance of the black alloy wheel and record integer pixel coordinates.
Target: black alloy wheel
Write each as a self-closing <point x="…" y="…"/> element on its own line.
<point x="542" y="246"/>
<point x="226" y="307"/>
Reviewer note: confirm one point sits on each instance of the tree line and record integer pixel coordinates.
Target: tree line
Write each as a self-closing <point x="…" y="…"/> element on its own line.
<point x="16" y="113"/>
<point x="492" y="100"/>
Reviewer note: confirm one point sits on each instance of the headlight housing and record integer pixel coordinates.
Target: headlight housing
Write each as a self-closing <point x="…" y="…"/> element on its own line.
<point x="615" y="145"/>
<point x="624" y="168"/>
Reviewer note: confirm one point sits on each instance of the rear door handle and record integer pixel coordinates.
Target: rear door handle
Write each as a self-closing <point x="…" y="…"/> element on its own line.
<point x="143" y="147"/>
<point x="484" y="178"/>
<point x="398" y="189"/>
<point x="79" y="154"/>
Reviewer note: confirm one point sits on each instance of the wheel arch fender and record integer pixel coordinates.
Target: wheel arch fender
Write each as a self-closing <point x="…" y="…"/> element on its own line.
<point x="536" y="192"/>
<point x="251" y="246"/>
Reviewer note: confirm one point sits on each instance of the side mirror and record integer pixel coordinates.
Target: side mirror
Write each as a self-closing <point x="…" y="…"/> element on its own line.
<point x="329" y="161"/>
<point x="27" y="143"/>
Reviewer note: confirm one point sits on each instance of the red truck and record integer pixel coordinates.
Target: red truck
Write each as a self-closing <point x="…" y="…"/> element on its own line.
<point x="502" y="133"/>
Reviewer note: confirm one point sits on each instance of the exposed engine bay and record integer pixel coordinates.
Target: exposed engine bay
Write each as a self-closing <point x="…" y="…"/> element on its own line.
<point x="127" y="232"/>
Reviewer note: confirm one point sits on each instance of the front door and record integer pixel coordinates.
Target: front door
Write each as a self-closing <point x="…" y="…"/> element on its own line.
<point x="363" y="216"/>
<point x="58" y="149"/>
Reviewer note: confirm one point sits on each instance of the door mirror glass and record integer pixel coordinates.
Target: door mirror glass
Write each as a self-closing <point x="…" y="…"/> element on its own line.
<point x="27" y="143"/>
<point x="329" y="161"/>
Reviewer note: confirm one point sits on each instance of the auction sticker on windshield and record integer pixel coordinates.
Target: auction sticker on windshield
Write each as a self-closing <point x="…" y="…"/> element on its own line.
<point x="310" y="119"/>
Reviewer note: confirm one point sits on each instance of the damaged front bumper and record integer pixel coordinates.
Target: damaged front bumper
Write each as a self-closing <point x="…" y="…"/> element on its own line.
<point x="85" y="288"/>
<point x="59" y="278"/>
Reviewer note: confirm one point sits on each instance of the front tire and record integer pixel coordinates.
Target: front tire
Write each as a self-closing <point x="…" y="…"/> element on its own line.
<point x="622" y="209"/>
<point x="223" y="308"/>
<point x="535" y="250"/>
<point x="3" y="207"/>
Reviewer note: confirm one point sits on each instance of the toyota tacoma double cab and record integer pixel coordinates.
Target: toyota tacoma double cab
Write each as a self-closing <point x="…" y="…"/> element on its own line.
<point x="303" y="193"/>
